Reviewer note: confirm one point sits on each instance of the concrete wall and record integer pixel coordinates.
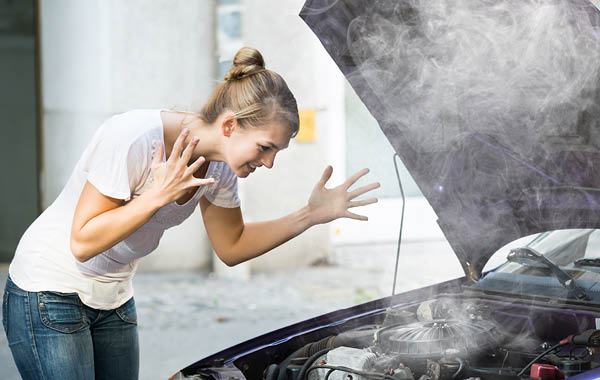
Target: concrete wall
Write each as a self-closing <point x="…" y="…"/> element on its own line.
<point x="292" y="50"/>
<point x="19" y="199"/>
<point x="104" y="57"/>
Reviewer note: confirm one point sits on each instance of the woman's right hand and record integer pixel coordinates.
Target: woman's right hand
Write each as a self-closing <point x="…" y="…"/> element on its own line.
<point x="173" y="178"/>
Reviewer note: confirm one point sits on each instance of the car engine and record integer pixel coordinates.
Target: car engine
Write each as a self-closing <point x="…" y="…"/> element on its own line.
<point x="447" y="339"/>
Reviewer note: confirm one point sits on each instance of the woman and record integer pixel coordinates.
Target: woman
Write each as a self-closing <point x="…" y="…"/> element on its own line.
<point x="68" y="305"/>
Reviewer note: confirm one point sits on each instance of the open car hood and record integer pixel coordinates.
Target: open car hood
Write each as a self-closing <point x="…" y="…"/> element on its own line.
<point x="493" y="106"/>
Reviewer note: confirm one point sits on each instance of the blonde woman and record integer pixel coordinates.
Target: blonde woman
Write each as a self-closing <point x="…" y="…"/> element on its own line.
<point x="68" y="304"/>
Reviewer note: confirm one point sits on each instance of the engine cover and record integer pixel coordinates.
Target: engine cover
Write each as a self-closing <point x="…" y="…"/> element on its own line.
<point x="439" y="338"/>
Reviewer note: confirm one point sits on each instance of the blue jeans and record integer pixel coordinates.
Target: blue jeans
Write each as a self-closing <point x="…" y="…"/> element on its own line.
<point x="55" y="336"/>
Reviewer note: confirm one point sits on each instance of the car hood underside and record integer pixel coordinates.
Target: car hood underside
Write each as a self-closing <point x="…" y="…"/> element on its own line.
<point x="493" y="106"/>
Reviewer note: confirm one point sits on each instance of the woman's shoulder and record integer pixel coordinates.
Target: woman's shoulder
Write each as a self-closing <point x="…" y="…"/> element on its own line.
<point x="136" y="120"/>
<point x="132" y="126"/>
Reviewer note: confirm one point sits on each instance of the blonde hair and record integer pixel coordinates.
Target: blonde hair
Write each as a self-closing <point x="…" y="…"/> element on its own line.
<point x="253" y="93"/>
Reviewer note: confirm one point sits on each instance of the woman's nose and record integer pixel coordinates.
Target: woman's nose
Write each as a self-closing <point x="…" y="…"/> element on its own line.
<point x="268" y="160"/>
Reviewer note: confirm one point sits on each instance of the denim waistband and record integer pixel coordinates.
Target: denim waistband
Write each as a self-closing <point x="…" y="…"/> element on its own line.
<point x="13" y="288"/>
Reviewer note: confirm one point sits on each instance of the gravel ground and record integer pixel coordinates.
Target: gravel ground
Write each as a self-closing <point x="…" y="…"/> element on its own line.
<point x="184" y="317"/>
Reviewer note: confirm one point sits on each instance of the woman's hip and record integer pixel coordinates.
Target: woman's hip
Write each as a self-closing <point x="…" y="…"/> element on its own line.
<point x="55" y="335"/>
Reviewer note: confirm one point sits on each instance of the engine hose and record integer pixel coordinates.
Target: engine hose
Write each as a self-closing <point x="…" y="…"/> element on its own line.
<point x="354" y="339"/>
<point x="539" y="357"/>
<point x="272" y="372"/>
<point x="303" y="352"/>
<point x="310" y="361"/>
<point x="311" y="348"/>
<point x="461" y="365"/>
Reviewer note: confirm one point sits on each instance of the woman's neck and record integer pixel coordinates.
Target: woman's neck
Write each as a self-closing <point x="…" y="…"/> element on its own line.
<point x="209" y="145"/>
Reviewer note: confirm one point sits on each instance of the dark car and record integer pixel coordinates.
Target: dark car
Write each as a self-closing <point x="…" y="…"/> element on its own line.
<point x="494" y="108"/>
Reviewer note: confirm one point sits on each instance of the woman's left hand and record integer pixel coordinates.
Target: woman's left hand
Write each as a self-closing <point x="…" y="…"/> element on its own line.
<point x="326" y="204"/>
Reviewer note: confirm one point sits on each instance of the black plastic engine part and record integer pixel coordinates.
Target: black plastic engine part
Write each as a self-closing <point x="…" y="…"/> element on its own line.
<point x="570" y="367"/>
<point x="272" y="372"/>
<point x="589" y="338"/>
<point x="493" y="373"/>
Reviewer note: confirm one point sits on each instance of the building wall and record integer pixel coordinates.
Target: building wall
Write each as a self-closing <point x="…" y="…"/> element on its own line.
<point x="19" y="197"/>
<point x="103" y="57"/>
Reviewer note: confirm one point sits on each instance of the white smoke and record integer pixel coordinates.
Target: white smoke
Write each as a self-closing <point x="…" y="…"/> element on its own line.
<point x="482" y="64"/>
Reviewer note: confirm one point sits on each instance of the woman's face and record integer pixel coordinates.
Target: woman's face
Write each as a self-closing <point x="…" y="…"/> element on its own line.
<point x="252" y="147"/>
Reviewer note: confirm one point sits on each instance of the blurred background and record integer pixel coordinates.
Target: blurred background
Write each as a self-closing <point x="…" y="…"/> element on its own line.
<point x="68" y="65"/>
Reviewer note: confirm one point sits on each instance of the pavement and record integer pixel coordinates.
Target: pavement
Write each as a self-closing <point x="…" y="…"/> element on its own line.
<point x="186" y="316"/>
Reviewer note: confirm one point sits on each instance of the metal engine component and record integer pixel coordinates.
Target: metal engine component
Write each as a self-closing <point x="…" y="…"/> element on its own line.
<point x="464" y="342"/>
<point x="435" y="309"/>
<point x="403" y="374"/>
<point x="353" y="358"/>
<point x="439" y="338"/>
<point x="399" y="317"/>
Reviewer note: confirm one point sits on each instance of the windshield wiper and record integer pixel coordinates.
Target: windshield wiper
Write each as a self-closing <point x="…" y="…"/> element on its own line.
<point x="563" y="277"/>
<point x="593" y="262"/>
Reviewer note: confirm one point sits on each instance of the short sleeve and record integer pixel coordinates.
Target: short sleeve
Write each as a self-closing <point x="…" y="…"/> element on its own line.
<point x="114" y="164"/>
<point x="225" y="193"/>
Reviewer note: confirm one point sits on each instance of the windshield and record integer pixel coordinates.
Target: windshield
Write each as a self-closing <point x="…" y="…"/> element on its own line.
<point x="563" y="247"/>
<point x="576" y="252"/>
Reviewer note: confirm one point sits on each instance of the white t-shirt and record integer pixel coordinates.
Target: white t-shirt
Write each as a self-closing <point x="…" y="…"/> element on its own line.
<point x="117" y="162"/>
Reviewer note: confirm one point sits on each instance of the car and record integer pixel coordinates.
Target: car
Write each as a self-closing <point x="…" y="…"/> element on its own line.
<point x="494" y="108"/>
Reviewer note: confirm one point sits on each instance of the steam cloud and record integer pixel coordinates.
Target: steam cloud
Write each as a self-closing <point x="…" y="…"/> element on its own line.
<point x="493" y="106"/>
<point x="491" y="66"/>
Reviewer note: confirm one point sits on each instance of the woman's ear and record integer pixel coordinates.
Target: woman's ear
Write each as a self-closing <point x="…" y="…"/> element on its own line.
<point x="229" y="124"/>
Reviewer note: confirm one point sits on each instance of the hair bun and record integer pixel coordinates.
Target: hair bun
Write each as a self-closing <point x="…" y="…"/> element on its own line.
<point x="247" y="61"/>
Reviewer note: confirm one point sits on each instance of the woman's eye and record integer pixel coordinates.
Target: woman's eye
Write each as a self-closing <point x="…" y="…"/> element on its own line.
<point x="264" y="148"/>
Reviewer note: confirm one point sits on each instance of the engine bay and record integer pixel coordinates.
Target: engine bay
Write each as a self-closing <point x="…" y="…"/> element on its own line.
<point x="450" y="338"/>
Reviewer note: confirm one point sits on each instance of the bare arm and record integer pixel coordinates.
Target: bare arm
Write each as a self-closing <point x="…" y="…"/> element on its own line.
<point x="100" y="222"/>
<point x="235" y="241"/>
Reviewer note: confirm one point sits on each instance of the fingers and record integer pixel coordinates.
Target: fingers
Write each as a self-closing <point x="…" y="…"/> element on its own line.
<point x="204" y="181"/>
<point x="178" y="146"/>
<point x="362" y="202"/>
<point x="195" y="165"/>
<point x="355" y="177"/>
<point x="189" y="149"/>
<point x="361" y="190"/>
<point x="352" y="215"/>
<point x="325" y="177"/>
